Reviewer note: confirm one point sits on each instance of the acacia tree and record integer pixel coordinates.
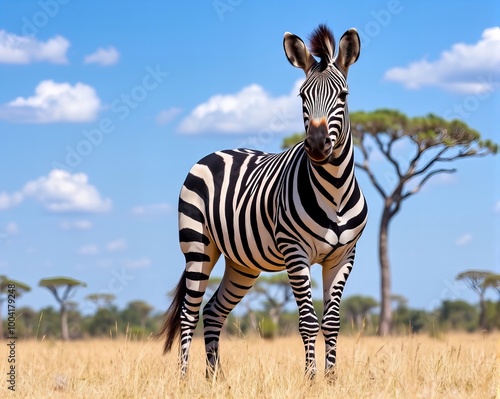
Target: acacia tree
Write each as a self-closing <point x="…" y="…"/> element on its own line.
<point x="477" y="281"/>
<point x="137" y="312"/>
<point x="493" y="281"/>
<point x="434" y="141"/>
<point x="101" y="299"/>
<point x="277" y="292"/>
<point x="67" y="286"/>
<point x="358" y="307"/>
<point x="5" y="289"/>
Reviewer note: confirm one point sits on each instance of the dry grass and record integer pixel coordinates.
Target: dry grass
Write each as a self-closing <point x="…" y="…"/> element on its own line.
<point x="456" y="366"/>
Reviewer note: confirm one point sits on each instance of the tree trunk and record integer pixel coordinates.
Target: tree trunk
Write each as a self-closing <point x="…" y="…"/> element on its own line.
<point x="1" y="320"/>
<point x="482" y="313"/>
<point x="274" y="314"/>
<point x="359" y="321"/>
<point x="385" y="321"/>
<point x="64" y="323"/>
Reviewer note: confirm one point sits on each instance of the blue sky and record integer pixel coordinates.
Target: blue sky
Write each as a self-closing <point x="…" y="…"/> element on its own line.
<point x="104" y="107"/>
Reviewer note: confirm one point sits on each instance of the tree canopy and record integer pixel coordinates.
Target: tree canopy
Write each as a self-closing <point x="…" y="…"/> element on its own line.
<point x="20" y="286"/>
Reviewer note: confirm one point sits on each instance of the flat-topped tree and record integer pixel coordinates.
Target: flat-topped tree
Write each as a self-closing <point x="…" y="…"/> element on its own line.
<point x="477" y="281"/>
<point x="62" y="288"/>
<point x="358" y="307"/>
<point x="276" y="290"/>
<point x="434" y="141"/>
<point x="493" y="281"/>
<point x="101" y="300"/>
<point x="137" y="312"/>
<point x="6" y="288"/>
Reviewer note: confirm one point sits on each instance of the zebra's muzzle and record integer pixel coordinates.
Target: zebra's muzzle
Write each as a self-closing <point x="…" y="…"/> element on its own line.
<point x="318" y="144"/>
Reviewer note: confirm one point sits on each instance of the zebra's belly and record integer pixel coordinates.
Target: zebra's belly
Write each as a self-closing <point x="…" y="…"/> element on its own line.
<point x="251" y="246"/>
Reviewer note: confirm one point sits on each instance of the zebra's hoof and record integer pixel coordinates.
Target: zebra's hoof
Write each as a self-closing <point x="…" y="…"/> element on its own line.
<point x="331" y="375"/>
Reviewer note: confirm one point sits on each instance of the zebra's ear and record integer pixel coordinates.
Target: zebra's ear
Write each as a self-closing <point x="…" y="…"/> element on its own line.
<point x="349" y="49"/>
<point x="297" y="53"/>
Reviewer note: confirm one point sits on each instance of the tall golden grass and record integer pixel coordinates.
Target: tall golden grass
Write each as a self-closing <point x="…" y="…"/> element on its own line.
<point x="454" y="366"/>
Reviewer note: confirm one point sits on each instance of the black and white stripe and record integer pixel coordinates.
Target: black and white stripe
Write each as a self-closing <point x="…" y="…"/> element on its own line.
<point x="273" y="212"/>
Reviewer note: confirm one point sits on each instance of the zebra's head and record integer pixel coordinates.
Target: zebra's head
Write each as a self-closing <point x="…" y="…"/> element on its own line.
<point x="324" y="91"/>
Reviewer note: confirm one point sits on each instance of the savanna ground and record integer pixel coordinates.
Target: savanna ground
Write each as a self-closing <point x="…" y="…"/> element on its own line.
<point x="452" y="366"/>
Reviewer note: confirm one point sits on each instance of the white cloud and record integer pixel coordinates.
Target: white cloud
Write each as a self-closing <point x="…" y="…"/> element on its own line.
<point x="152" y="209"/>
<point x="103" y="56"/>
<point x="62" y="191"/>
<point x="464" y="240"/>
<point x="75" y="225"/>
<point x="167" y="115"/>
<point x="9" y="200"/>
<point x="54" y="102"/>
<point x="465" y="68"/>
<point x="88" y="250"/>
<point x="16" y="49"/>
<point x="117" y="245"/>
<point x="12" y="228"/>
<point x="251" y="110"/>
<point x="137" y="263"/>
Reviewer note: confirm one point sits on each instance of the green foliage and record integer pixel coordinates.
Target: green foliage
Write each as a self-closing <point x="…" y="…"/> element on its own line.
<point x="492" y="281"/>
<point x="20" y="286"/>
<point x="268" y="329"/>
<point x="136" y="314"/>
<point x="427" y="131"/>
<point x="358" y="305"/>
<point x="101" y="300"/>
<point x="61" y="281"/>
<point x="49" y="323"/>
<point x="290" y="141"/>
<point x="492" y="315"/>
<point x="458" y="315"/>
<point x="103" y="322"/>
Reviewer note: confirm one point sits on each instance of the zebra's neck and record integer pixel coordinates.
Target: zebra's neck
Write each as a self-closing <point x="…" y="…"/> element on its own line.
<point x="335" y="179"/>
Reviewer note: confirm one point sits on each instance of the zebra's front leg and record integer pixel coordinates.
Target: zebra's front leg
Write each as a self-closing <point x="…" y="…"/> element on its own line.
<point x="334" y="279"/>
<point x="235" y="283"/>
<point x="299" y="274"/>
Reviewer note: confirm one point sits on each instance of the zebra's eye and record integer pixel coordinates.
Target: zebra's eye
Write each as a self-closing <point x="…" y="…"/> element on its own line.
<point x="343" y="96"/>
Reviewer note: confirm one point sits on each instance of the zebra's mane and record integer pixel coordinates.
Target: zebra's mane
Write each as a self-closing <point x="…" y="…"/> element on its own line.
<point x="322" y="44"/>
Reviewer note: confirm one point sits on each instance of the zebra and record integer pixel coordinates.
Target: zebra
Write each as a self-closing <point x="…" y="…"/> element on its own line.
<point x="274" y="212"/>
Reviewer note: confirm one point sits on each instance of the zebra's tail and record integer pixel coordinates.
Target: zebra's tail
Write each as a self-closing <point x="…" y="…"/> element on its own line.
<point x="171" y="328"/>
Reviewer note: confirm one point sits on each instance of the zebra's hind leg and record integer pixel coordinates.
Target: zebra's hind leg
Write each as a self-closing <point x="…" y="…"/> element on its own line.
<point x="200" y="260"/>
<point x="334" y="279"/>
<point x="235" y="283"/>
